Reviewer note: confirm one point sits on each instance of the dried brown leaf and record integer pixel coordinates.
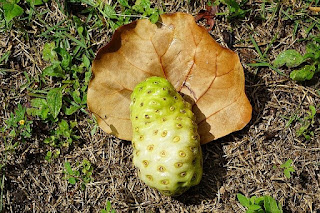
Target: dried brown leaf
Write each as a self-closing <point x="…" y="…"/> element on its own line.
<point x="207" y="74"/>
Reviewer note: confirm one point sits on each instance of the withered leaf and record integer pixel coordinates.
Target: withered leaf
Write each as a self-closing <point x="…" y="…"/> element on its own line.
<point x="207" y="74"/>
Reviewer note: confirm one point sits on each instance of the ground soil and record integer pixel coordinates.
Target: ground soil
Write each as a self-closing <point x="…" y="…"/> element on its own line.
<point x="247" y="161"/>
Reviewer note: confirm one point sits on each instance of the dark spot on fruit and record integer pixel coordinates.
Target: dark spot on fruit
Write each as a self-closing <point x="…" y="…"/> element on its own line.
<point x="183" y="174"/>
<point x="175" y="97"/>
<point x="157" y="111"/>
<point x="178" y="164"/>
<point x="194" y="150"/>
<point x="182" y="111"/>
<point x="155" y="132"/>
<point x="140" y="88"/>
<point x="172" y="108"/>
<point x="176" y="139"/>
<point x="179" y="126"/>
<point x="164" y="89"/>
<point x="182" y="154"/>
<point x="145" y="163"/>
<point x="149" y="177"/>
<point x="165" y="182"/>
<point x="163" y="153"/>
<point x="146" y="116"/>
<point x="156" y="82"/>
<point x="164" y="119"/>
<point x="141" y="104"/>
<point x="194" y="177"/>
<point x="164" y="99"/>
<point x="149" y="92"/>
<point x="164" y="133"/>
<point x="195" y="137"/>
<point x="133" y="144"/>
<point x="141" y="137"/>
<point x="134" y="100"/>
<point x="150" y="147"/>
<point x="194" y="161"/>
<point x="161" y="169"/>
<point x="136" y="117"/>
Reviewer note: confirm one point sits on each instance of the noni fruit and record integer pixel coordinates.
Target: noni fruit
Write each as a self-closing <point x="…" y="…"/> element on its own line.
<point x="166" y="143"/>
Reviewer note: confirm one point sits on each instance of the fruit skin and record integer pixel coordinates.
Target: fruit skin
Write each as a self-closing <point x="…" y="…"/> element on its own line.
<point x="166" y="144"/>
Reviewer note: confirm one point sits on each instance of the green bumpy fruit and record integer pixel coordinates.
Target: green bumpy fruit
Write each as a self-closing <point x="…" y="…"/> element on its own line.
<point x="166" y="143"/>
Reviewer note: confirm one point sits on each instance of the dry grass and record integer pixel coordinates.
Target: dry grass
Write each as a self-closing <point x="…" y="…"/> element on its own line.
<point x="244" y="162"/>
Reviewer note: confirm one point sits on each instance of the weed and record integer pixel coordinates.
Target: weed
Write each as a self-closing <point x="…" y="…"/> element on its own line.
<point x="309" y="63"/>
<point x="108" y="208"/>
<point x="262" y="204"/>
<point x="287" y="168"/>
<point x="17" y="129"/>
<point x="235" y="11"/>
<point x="126" y="14"/>
<point x="82" y="173"/>
<point x="306" y="122"/>
<point x="11" y="9"/>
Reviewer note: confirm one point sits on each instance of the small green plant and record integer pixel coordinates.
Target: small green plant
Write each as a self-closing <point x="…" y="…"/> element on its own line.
<point x="108" y="208"/>
<point x="235" y="10"/>
<point x="306" y="122"/>
<point x="288" y="169"/>
<point x="82" y="173"/>
<point x="62" y="136"/>
<point x="262" y="204"/>
<point x="141" y="8"/>
<point x="309" y="63"/>
<point x="65" y="99"/>
<point x="11" y="9"/>
<point x="17" y="128"/>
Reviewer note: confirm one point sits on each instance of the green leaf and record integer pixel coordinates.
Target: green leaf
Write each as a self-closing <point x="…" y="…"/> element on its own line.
<point x="48" y="53"/>
<point x="291" y="58"/>
<point x="54" y="100"/>
<point x="11" y="11"/>
<point x="270" y="205"/>
<point x="124" y="3"/>
<point x="76" y="96"/>
<point x="72" y="109"/>
<point x="154" y="18"/>
<point x="110" y="12"/>
<point x="35" y="2"/>
<point x="48" y="156"/>
<point x="313" y="111"/>
<point x="287" y="172"/>
<point x="108" y="206"/>
<point x="87" y="76"/>
<point x="66" y="57"/>
<point x="286" y="164"/>
<point x="259" y="201"/>
<point x="54" y="70"/>
<point x="254" y="207"/>
<point x="68" y="168"/>
<point x="86" y="61"/>
<point x="63" y="125"/>
<point x="72" y="180"/>
<point x="306" y="73"/>
<point x="243" y="200"/>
